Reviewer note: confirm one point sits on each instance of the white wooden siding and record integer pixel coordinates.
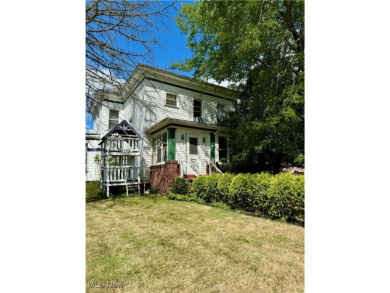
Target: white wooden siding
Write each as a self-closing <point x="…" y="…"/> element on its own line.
<point x="155" y="94"/>
<point x="92" y="173"/>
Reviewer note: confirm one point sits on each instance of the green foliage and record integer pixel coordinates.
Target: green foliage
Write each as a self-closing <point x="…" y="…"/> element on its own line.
<point x="264" y="59"/>
<point x="286" y="197"/>
<point x="220" y="205"/>
<point x="240" y="191"/>
<point x="92" y="191"/>
<point x="211" y="187"/>
<point x="153" y="190"/>
<point x="180" y="186"/>
<point x="199" y="186"/>
<point x="130" y="194"/>
<point x="280" y="196"/>
<point x="188" y="197"/>
<point x="92" y="188"/>
<point x="223" y="187"/>
<point x="258" y="194"/>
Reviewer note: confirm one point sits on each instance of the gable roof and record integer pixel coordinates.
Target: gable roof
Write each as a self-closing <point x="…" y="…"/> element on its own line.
<point x="122" y="128"/>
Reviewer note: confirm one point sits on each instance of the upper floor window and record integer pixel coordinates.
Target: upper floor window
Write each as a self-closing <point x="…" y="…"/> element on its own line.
<point x="197" y="110"/>
<point x="220" y="111"/>
<point x="113" y="118"/>
<point x="170" y="100"/>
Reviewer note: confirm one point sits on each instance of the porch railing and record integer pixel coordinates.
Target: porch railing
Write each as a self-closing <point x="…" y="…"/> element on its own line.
<point x="125" y="145"/>
<point x="120" y="173"/>
<point x="210" y="163"/>
<point x="182" y="164"/>
<point x="125" y="173"/>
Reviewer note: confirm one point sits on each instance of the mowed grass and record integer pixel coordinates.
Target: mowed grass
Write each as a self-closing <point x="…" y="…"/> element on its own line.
<point x="152" y="244"/>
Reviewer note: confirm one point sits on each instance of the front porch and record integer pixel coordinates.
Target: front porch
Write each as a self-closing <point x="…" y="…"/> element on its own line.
<point x="186" y="149"/>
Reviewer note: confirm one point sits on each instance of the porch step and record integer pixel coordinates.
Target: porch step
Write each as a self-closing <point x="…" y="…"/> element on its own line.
<point x="190" y="177"/>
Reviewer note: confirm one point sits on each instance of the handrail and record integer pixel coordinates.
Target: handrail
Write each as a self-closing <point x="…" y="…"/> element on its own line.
<point x="216" y="168"/>
<point x="181" y="169"/>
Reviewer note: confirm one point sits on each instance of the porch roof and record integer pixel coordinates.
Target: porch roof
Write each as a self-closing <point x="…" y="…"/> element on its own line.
<point x="167" y="122"/>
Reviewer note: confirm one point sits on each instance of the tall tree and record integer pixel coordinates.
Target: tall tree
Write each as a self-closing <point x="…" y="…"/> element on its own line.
<point x="119" y="34"/>
<point x="258" y="46"/>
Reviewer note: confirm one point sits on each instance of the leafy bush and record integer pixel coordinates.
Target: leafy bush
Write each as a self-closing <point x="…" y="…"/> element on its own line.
<point x="189" y="197"/>
<point x="280" y="196"/>
<point x="92" y="188"/>
<point x="239" y="191"/>
<point x="258" y="192"/>
<point x="223" y="187"/>
<point x="211" y="187"/>
<point x="153" y="189"/>
<point x="221" y="205"/>
<point x="286" y="197"/>
<point x="199" y="186"/>
<point x="180" y="186"/>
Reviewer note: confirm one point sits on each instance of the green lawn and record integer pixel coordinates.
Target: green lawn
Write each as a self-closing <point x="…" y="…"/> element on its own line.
<point x="152" y="244"/>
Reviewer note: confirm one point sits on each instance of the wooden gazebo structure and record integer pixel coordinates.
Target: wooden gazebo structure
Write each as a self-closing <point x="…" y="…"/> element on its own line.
<point x="121" y="163"/>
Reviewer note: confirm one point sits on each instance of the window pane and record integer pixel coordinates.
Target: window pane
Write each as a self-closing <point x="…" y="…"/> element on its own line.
<point x="112" y="124"/>
<point x="222" y="143"/>
<point x="193" y="146"/>
<point x="197" y="108"/>
<point x="165" y="137"/>
<point x="114" y="114"/>
<point x="171" y="99"/>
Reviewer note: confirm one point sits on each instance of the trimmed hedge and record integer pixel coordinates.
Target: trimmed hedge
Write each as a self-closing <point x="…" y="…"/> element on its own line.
<point x="180" y="197"/>
<point x="179" y="186"/>
<point x="223" y="187"/>
<point x="287" y="197"/>
<point x="258" y="197"/>
<point x="211" y="187"/>
<point x="199" y="186"/>
<point x="239" y="191"/>
<point x="280" y="196"/>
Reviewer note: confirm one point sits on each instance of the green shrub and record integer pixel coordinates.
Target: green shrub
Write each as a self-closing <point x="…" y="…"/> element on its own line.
<point x="223" y="187"/>
<point x="189" y="197"/>
<point x="199" y="186"/>
<point x="220" y="205"/>
<point x="239" y="191"/>
<point x="211" y="187"/>
<point x="180" y="186"/>
<point x="286" y="197"/>
<point x="92" y="188"/>
<point x="258" y="192"/>
<point x="153" y="189"/>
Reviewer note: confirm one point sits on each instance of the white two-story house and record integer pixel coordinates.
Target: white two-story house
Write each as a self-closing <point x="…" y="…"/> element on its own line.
<point x="173" y="120"/>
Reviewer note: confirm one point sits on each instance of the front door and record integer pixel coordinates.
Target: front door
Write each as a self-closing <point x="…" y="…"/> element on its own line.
<point x="193" y="160"/>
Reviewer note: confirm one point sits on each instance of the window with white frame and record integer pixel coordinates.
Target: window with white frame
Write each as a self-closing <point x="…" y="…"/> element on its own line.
<point x="171" y="99"/>
<point x="159" y="148"/>
<point x="113" y="118"/>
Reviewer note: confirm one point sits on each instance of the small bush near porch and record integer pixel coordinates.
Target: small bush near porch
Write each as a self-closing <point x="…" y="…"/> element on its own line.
<point x="153" y="244"/>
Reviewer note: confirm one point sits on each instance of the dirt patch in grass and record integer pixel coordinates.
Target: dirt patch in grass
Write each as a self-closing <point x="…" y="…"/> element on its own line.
<point x="151" y="244"/>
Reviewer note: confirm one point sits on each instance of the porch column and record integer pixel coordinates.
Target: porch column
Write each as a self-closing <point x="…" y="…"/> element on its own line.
<point x="171" y="144"/>
<point x="212" y="146"/>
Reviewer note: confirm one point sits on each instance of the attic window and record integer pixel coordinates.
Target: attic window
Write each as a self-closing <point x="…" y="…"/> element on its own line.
<point x="171" y="100"/>
<point x="113" y="119"/>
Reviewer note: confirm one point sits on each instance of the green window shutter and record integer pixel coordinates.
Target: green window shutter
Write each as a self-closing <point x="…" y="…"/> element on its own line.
<point x="212" y="146"/>
<point x="171" y="144"/>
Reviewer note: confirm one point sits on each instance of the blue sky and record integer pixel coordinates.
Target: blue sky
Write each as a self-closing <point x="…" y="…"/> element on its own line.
<point x="173" y="48"/>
